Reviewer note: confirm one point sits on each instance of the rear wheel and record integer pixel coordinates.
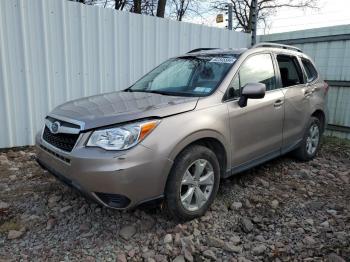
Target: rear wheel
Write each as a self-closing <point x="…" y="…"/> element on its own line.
<point x="193" y="183"/>
<point x="311" y="141"/>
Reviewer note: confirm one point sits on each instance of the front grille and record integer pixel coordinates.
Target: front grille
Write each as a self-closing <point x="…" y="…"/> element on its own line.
<point x="65" y="142"/>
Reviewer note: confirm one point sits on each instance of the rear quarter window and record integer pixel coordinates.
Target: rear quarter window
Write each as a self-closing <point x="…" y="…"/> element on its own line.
<point x="310" y="70"/>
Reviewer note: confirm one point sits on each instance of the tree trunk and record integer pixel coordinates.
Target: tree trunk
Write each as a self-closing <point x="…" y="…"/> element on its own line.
<point x="137" y="6"/>
<point x="161" y="8"/>
<point x="119" y="4"/>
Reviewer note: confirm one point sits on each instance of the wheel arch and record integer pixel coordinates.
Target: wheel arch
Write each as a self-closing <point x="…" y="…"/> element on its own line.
<point x="318" y="113"/>
<point x="210" y="139"/>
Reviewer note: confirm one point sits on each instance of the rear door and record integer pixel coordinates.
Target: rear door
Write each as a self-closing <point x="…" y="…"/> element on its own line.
<point x="256" y="130"/>
<point x="297" y="106"/>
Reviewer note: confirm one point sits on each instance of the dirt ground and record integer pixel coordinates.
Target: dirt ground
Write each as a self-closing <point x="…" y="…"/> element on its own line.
<point x="283" y="210"/>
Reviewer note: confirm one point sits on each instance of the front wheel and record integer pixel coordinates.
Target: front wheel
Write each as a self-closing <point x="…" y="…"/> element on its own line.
<point x="311" y="141"/>
<point x="193" y="183"/>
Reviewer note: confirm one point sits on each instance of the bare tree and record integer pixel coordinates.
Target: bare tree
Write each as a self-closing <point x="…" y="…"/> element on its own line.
<point x="178" y="9"/>
<point x="120" y="4"/>
<point x="161" y="8"/>
<point x="242" y="10"/>
<point x="136" y="7"/>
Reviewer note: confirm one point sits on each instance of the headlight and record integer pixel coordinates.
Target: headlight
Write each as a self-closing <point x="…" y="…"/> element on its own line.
<point x="122" y="137"/>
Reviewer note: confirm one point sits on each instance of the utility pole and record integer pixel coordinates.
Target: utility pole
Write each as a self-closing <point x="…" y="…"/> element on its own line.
<point x="229" y="18"/>
<point x="254" y="20"/>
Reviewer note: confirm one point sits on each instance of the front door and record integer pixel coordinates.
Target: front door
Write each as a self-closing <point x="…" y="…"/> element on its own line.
<point x="256" y="130"/>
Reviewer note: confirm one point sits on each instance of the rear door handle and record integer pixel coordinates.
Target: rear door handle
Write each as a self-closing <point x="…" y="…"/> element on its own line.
<point x="308" y="92"/>
<point x="278" y="103"/>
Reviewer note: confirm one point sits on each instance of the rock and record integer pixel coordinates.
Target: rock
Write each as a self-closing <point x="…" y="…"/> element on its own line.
<point x="121" y="258"/>
<point x="230" y="247"/>
<point x="235" y="239"/>
<point x="236" y="205"/>
<point x="84" y="228"/>
<point x="187" y="243"/>
<point x="209" y="254"/>
<point x="54" y="199"/>
<point x="90" y="259"/>
<point x="160" y="258"/>
<point x="303" y="173"/>
<point x="243" y="259"/>
<point x="341" y="235"/>
<point x="259" y="250"/>
<point x="82" y="210"/>
<point x="179" y="259"/>
<point x="50" y="223"/>
<point x="215" y="242"/>
<point x="345" y="178"/>
<point x="4" y="205"/>
<point x="309" y="240"/>
<point x="335" y="258"/>
<point x="65" y="209"/>
<point x="264" y="183"/>
<point x="309" y="221"/>
<point x="260" y="238"/>
<point x="325" y="224"/>
<point x="127" y="232"/>
<point x="132" y="253"/>
<point x="315" y="205"/>
<point x="196" y="232"/>
<point x="188" y="256"/>
<point x="168" y="239"/>
<point x="247" y="225"/>
<point x="14" y="234"/>
<point x="148" y="254"/>
<point x="332" y="212"/>
<point x="274" y="204"/>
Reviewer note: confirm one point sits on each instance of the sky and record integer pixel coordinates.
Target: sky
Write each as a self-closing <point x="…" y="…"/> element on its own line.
<point x="329" y="13"/>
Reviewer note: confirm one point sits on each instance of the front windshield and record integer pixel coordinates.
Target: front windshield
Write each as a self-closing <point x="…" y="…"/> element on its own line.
<point x="186" y="76"/>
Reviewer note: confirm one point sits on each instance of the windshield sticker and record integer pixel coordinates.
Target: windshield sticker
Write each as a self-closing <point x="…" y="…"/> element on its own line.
<point x="223" y="60"/>
<point x="202" y="89"/>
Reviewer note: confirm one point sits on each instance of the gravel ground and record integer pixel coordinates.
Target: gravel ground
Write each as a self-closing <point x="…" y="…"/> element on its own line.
<point x="281" y="211"/>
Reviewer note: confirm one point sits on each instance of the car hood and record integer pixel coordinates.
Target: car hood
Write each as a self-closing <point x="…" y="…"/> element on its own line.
<point x="117" y="107"/>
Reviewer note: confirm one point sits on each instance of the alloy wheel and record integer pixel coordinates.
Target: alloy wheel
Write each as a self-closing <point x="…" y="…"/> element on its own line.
<point x="312" y="139"/>
<point x="197" y="184"/>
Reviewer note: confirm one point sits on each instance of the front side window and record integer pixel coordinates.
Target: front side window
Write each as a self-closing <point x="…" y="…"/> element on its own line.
<point x="311" y="73"/>
<point x="290" y="70"/>
<point x="186" y="76"/>
<point x="256" y="69"/>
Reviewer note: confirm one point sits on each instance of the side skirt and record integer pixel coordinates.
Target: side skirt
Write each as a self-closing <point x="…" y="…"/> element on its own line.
<point x="260" y="160"/>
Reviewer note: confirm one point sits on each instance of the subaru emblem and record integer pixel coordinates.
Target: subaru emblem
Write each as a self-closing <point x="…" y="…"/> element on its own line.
<point x="55" y="127"/>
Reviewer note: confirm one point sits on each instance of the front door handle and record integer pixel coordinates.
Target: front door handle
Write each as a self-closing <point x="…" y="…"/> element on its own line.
<point x="278" y="103"/>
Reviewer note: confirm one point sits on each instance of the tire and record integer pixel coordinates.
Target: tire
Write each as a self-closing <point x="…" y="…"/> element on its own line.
<point x="303" y="152"/>
<point x="182" y="183"/>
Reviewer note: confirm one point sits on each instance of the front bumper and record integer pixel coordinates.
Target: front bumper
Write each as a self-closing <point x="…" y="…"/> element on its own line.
<point x="119" y="180"/>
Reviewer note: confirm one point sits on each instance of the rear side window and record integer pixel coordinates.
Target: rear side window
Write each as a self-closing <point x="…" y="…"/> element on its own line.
<point x="310" y="70"/>
<point x="290" y="70"/>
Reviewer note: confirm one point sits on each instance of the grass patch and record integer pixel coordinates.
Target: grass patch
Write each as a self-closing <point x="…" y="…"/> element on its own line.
<point x="335" y="141"/>
<point x="10" y="225"/>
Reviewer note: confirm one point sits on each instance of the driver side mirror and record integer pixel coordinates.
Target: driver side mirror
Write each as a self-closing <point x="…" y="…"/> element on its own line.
<point x="252" y="91"/>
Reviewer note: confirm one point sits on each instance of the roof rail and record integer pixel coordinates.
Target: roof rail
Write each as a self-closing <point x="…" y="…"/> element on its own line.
<point x="201" y="49"/>
<point x="275" y="45"/>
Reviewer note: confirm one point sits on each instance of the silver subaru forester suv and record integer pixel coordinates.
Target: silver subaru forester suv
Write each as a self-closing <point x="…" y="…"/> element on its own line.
<point x="190" y="122"/>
